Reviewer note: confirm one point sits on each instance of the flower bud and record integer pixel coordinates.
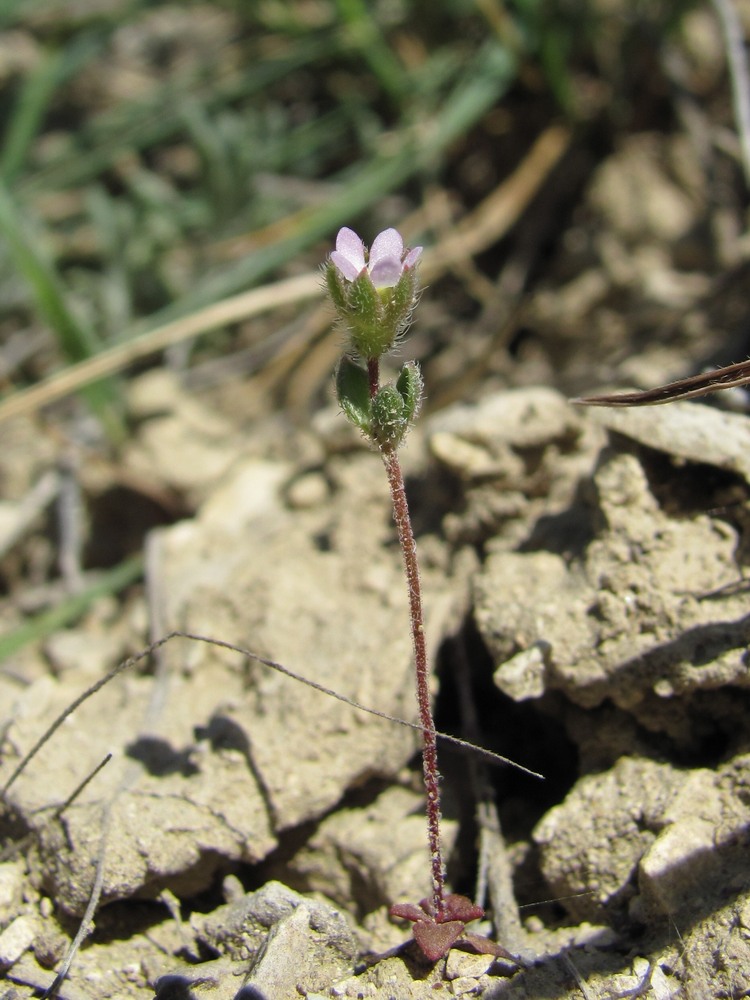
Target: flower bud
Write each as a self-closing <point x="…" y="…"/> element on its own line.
<point x="389" y="420"/>
<point x="395" y="407"/>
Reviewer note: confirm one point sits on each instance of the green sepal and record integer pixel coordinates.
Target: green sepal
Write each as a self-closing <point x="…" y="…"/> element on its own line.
<point x="336" y="288"/>
<point x="353" y="392"/>
<point x="401" y="302"/>
<point x="389" y="420"/>
<point x="410" y="385"/>
<point x="370" y="335"/>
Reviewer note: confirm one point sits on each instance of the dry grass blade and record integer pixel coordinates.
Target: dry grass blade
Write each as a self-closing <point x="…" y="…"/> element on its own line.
<point x="280" y="668"/>
<point x="492" y="219"/>
<point x="15" y="848"/>
<point x="87" y="921"/>
<point x="728" y="377"/>
<point x="117" y="358"/>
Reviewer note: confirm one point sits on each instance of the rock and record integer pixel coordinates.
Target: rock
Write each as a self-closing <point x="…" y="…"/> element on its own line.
<point x="12" y="879"/>
<point x="686" y="430"/>
<point x="700" y="846"/>
<point x="283" y="944"/>
<point x="462" y="965"/>
<point x="519" y="454"/>
<point x="183" y="443"/>
<point x="633" y="191"/>
<point x="592" y="843"/>
<point x="15" y="939"/>
<point x="628" y="619"/>
<point x="216" y="980"/>
<point x="372" y="856"/>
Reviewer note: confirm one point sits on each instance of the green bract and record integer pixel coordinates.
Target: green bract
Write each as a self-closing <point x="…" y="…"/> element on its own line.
<point x="395" y="407"/>
<point x="353" y="392"/>
<point x="411" y="386"/>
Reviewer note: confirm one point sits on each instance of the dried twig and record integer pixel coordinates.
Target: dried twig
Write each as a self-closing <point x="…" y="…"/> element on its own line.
<point x="36" y="500"/>
<point x="495" y="870"/>
<point x="70" y="525"/>
<point x="728" y="377"/>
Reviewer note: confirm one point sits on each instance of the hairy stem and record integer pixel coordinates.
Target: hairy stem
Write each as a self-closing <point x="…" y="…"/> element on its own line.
<point x="427" y="723"/>
<point x="429" y="740"/>
<point x="373" y="375"/>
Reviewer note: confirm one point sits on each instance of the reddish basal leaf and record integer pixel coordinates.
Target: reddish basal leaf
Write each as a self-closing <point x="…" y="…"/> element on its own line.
<point x="437" y="933"/>
<point x="461" y="908"/>
<point x="408" y="911"/>
<point x="484" y="946"/>
<point x="436" y="940"/>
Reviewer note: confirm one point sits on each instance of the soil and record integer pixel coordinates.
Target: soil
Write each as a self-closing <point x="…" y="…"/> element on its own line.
<point x="587" y="617"/>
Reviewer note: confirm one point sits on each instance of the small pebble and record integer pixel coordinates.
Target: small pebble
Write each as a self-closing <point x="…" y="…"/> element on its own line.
<point x="464" y="965"/>
<point x="11" y="882"/>
<point x="17" y="937"/>
<point x="310" y="490"/>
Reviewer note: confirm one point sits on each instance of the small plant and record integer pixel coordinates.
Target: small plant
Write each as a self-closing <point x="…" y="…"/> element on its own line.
<point x="374" y="294"/>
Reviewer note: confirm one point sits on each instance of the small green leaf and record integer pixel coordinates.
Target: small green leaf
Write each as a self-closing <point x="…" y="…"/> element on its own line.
<point x="410" y="385"/>
<point x="353" y="392"/>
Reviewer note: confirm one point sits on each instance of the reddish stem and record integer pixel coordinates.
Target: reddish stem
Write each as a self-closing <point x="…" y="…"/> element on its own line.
<point x="429" y="740"/>
<point x="373" y="375"/>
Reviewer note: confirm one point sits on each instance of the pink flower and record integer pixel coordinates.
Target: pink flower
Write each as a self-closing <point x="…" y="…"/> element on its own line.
<point x="373" y="292"/>
<point x="385" y="262"/>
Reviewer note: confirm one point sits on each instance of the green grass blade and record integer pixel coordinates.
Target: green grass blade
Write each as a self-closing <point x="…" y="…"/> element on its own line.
<point x="68" y="611"/>
<point x="370" y="44"/>
<point x="142" y="124"/>
<point x="416" y="149"/>
<point x="76" y="340"/>
<point x="35" y="97"/>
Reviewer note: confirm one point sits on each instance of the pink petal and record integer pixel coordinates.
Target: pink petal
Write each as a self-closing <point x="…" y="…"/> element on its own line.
<point x="386" y="244"/>
<point x="349" y="245"/>
<point x="412" y="257"/>
<point x="386" y="272"/>
<point x="344" y="266"/>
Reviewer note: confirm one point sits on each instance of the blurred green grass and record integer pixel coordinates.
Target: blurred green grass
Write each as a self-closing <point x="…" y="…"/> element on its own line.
<point x="141" y="140"/>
